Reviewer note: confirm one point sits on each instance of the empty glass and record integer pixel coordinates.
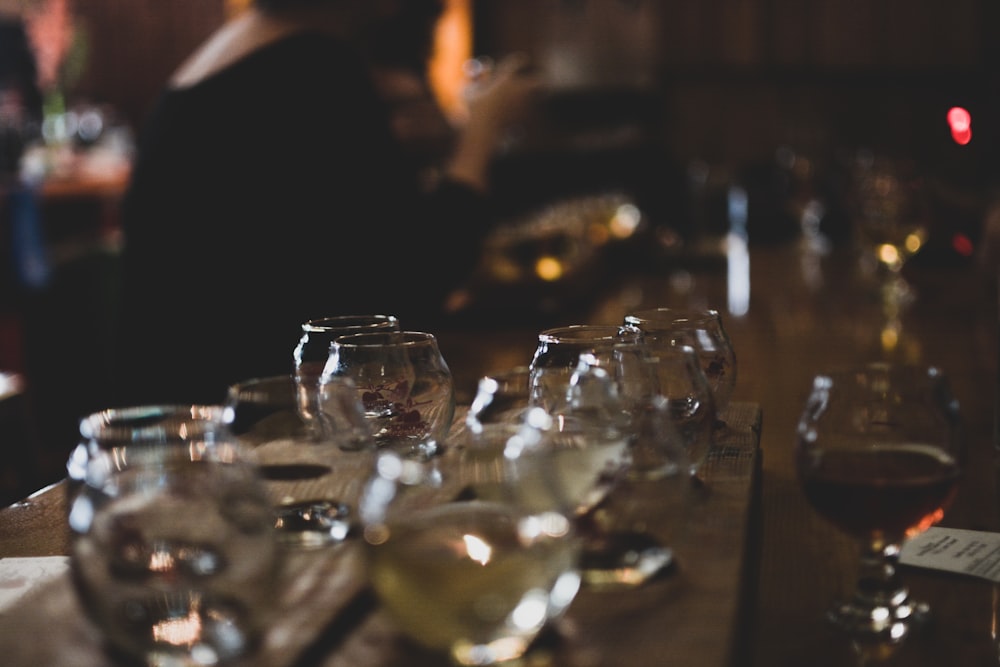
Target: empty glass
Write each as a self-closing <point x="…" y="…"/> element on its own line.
<point x="703" y="331"/>
<point x="405" y="386"/>
<point x="313" y="349"/>
<point x="558" y="352"/>
<point x="173" y="552"/>
<point x="309" y="479"/>
<point x="498" y="412"/>
<point x="671" y="370"/>
<point x="501" y="397"/>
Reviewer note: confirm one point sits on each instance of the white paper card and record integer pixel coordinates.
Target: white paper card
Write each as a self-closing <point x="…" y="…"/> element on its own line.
<point x="972" y="552"/>
<point x="19" y="576"/>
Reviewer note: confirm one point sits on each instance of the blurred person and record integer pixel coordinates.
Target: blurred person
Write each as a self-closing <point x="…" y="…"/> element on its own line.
<point x="20" y="95"/>
<point x="270" y="187"/>
<point x="400" y="50"/>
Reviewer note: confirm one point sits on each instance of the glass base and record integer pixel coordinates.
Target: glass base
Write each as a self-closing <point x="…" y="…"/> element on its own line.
<point x="623" y="560"/>
<point x="880" y="611"/>
<point x="875" y="623"/>
<point x="313" y="523"/>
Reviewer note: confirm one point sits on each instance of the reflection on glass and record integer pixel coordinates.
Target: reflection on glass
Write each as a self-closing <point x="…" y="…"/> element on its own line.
<point x="173" y="552"/>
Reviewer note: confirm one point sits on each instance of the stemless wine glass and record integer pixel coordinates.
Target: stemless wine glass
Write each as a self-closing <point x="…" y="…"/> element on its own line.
<point x="558" y="352"/>
<point x="310" y="481"/>
<point x="405" y="386"/>
<point x="656" y="367"/>
<point x="594" y="430"/>
<point x="501" y="397"/>
<point x="498" y="411"/>
<point x="879" y="455"/>
<point x="173" y="553"/>
<point x="313" y="349"/>
<point x="702" y="330"/>
<point x="475" y="578"/>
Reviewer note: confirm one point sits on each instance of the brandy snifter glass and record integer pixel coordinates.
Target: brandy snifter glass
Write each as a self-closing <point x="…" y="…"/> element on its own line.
<point x="879" y="455"/>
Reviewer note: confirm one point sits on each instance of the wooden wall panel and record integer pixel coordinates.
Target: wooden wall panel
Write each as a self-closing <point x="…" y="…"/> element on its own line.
<point x="950" y="36"/>
<point x="743" y="76"/>
<point x="742" y="71"/>
<point x="857" y="35"/>
<point x="790" y="34"/>
<point x="136" y="44"/>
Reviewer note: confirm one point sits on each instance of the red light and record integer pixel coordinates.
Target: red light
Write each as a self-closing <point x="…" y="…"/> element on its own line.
<point x="959" y="119"/>
<point x="960" y="123"/>
<point x="961" y="137"/>
<point x="962" y="245"/>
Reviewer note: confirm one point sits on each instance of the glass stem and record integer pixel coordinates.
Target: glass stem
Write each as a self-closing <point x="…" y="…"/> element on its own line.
<point x="879" y="585"/>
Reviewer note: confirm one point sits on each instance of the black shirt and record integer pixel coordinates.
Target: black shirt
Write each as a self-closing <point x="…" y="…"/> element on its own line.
<point x="265" y="195"/>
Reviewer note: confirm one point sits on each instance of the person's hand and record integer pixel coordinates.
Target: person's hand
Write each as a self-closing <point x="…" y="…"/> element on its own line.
<point x="500" y="96"/>
<point x="497" y="98"/>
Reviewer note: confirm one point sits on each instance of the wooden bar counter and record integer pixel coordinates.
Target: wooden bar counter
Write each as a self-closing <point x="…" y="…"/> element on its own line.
<point x="756" y="566"/>
<point x="327" y="616"/>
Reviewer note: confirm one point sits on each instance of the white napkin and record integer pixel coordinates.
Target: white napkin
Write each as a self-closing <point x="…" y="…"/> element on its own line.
<point x="19" y="576"/>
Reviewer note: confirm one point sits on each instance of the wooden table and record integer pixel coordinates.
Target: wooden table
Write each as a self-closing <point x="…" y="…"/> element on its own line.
<point x="806" y="313"/>
<point x="327" y="615"/>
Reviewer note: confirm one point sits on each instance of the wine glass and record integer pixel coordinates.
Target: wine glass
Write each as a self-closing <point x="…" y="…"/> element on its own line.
<point x="476" y="578"/>
<point x="404" y="384"/>
<point x="309" y="480"/>
<point x="313" y="349"/>
<point x="703" y="330"/>
<point x="879" y="455"/>
<point x="501" y="397"/>
<point x="594" y="434"/>
<point x="172" y="551"/>
<point x="558" y="351"/>
<point x="499" y="410"/>
<point x="672" y="370"/>
<point x="891" y="215"/>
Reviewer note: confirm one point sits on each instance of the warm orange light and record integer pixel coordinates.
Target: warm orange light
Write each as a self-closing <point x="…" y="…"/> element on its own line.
<point x="929" y="520"/>
<point x="452" y="47"/>
<point x="549" y="269"/>
<point x="234" y="7"/>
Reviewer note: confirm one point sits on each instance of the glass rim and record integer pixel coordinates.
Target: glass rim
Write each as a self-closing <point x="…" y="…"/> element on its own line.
<point x="510" y="372"/>
<point x="667" y="314"/>
<point x="264" y="379"/>
<point x="351" y="322"/>
<point x="150" y="423"/>
<point x="384" y="337"/>
<point x="588" y="332"/>
<point x="247" y="387"/>
<point x="655" y="345"/>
